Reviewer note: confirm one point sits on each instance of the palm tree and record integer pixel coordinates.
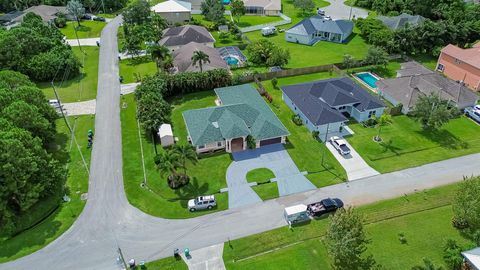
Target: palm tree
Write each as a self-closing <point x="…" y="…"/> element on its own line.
<point x="384" y="120"/>
<point x="167" y="162"/>
<point x="159" y="54"/>
<point x="200" y="58"/>
<point x="185" y="152"/>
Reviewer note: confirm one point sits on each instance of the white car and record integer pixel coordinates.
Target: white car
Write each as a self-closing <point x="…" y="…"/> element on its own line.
<point x="476" y="108"/>
<point x="328" y="18"/>
<point x="340" y="145"/>
<point x="54" y="103"/>
<point x="202" y="202"/>
<point x="473" y="113"/>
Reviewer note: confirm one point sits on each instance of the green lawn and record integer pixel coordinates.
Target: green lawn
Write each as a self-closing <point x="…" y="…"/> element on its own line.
<point x="63" y="217"/>
<point x="84" y="86"/>
<point x="267" y="191"/>
<point x="169" y="263"/>
<point x="390" y="71"/>
<point x="159" y="199"/>
<point x="407" y="145"/>
<point x="260" y="175"/>
<point x="87" y="29"/>
<point x="423" y="217"/>
<point x="133" y="70"/>
<point x="427" y="60"/>
<point x="250" y="20"/>
<point x="306" y="151"/>
<point x="295" y="14"/>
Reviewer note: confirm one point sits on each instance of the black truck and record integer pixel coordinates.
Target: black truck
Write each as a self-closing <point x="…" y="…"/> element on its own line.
<point x="324" y="206"/>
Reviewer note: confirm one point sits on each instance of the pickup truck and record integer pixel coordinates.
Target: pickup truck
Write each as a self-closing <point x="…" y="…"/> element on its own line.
<point x="473" y="113"/>
<point x="324" y="206"/>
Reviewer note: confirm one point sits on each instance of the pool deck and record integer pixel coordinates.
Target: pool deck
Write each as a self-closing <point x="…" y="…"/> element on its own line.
<point x="366" y="84"/>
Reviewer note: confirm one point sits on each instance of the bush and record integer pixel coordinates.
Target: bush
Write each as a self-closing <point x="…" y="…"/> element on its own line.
<point x="251" y="143"/>
<point x="61" y="21"/>
<point x="297" y="120"/>
<point x="275" y="83"/>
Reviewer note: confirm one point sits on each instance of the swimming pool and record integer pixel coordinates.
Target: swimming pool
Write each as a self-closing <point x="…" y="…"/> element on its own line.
<point x="368" y="78"/>
<point x="231" y="61"/>
<point x="226" y="2"/>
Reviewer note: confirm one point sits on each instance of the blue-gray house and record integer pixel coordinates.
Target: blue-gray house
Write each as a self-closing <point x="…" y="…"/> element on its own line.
<point x="324" y="105"/>
<point x="316" y="28"/>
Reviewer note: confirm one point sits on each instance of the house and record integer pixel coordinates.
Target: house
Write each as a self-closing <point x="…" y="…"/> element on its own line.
<point x="406" y="89"/>
<point x="175" y="37"/>
<point x="174" y="11"/>
<point x="401" y="21"/>
<point x="241" y="112"/>
<point x="182" y="58"/>
<point x="8" y="19"/>
<point x="47" y="13"/>
<point x="263" y="7"/>
<point x="314" y="29"/>
<point x="461" y="65"/>
<point x="472" y="258"/>
<point x="325" y="105"/>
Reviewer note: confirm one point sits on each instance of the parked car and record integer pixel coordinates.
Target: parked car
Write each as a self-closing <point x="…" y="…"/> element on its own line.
<point x="320" y="12"/>
<point x="328" y="18"/>
<point x="202" y="202"/>
<point x="324" y="206"/>
<point x="268" y="31"/>
<point x="476" y="108"/>
<point x="275" y="69"/>
<point x="87" y="16"/>
<point x="99" y="19"/>
<point x="340" y="145"/>
<point x="473" y="113"/>
<point x="54" y="103"/>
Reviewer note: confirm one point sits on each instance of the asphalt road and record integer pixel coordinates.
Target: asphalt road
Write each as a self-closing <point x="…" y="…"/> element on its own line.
<point x="108" y="221"/>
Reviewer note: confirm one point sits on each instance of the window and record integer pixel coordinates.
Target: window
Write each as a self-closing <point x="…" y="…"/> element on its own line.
<point x="371" y="113"/>
<point x="440" y="67"/>
<point x="201" y="146"/>
<point x="219" y="144"/>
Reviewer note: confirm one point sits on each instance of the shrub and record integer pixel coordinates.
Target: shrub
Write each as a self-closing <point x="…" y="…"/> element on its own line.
<point x="251" y="143"/>
<point x="275" y="83"/>
<point x="297" y="120"/>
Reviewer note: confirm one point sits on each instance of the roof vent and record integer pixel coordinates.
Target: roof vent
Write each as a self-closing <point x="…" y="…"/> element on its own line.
<point x="215" y="124"/>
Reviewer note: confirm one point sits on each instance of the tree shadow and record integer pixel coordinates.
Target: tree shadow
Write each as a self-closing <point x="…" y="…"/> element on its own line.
<point x="190" y="191"/>
<point x="135" y="61"/>
<point x="444" y="138"/>
<point x="389" y="147"/>
<point x="83" y="28"/>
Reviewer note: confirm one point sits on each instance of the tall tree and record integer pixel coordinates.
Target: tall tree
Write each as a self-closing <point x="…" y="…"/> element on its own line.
<point x="433" y="112"/>
<point x="346" y="241"/>
<point x="305" y="6"/>
<point x="76" y="9"/>
<point x="159" y="54"/>
<point x="237" y="7"/>
<point x="137" y="13"/>
<point x="152" y="111"/>
<point x="348" y="61"/>
<point x="466" y="205"/>
<point x="213" y="10"/>
<point x="384" y="120"/>
<point x="186" y="153"/>
<point x="200" y="58"/>
<point x="376" y="56"/>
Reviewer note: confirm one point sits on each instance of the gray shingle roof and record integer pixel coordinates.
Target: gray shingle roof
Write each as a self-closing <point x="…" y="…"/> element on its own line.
<point x="182" y="35"/>
<point x="182" y="58"/>
<point x="316" y="23"/>
<point x="317" y="99"/>
<point x="401" y="20"/>
<point x="243" y="113"/>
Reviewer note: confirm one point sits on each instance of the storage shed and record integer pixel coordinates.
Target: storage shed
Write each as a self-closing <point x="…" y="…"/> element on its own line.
<point x="166" y="135"/>
<point x="295" y="214"/>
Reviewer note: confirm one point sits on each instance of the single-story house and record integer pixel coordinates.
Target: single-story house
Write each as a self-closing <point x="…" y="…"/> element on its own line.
<point x="46" y="12"/>
<point x="175" y="37"/>
<point x="174" y="11"/>
<point x="241" y="112"/>
<point x="406" y="89"/>
<point x="472" y="258"/>
<point x="263" y="7"/>
<point x="7" y="19"/>
<point x="182" y="58"/>
<point x="461" y="65"/>
<point x="316" y="28"/>
<point x="324" y="105"/>
<point x="401" y="20"/>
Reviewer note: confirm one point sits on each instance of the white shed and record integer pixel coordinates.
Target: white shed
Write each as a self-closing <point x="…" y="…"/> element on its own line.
<point x="472" y="258"/>
<point x="295" y="214"/>
<point x="166" y="135"/>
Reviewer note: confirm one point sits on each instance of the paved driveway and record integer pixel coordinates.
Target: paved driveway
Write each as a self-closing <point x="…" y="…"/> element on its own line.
<point x="353" y="163"/>
<point x="274" y="157"/>
<point x="83" y="42"/>
<point x="338" y="10"/>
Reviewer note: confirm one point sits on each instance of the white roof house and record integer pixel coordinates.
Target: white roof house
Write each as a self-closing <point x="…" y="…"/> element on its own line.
<point x="166" y="135"/>
<point x="292" y="210"/>
<point x="172" y="6"/>
<point x="472" y="257"/>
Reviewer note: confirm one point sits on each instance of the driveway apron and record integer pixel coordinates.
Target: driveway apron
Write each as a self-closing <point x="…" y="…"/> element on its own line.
<point x="353" y="163"/>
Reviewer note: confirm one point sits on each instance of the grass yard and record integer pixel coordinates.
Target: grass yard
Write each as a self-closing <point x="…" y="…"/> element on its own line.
<point x="260" y="175"/>
<point x="306" y="151"/>
<point x="296" y="15"/>
<point x="250" y="20"/>
<point x="321" y="53"/>
<point x="133" y="70"/>
<point x="423" y="217"/>
<point x="427" y="60"/>
<point x="169" y="263"/>
<point x="87" y="29"/>
<point x="159" y="200"/>
<point x="265" y="189"/>
<point x="82" y="87"/>
<point x="390" y="71"/>
<point x="62" y="217"/>
<point x="406" y="145"/>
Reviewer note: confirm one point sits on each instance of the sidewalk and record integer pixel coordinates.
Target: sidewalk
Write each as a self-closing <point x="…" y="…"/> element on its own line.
<point x="208" y="258"/>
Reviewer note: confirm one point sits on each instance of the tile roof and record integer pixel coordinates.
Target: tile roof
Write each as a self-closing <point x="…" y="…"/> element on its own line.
<point x="243" y="113"/>
<point x="182" y="35"/>
<point x="172" y="6"/>
<point x="401" y="20"/>
<point x="470" y="56"/>
<point x="317" y="99"/>
<point x="182" y="58"/>
<point x="317" y="23"/>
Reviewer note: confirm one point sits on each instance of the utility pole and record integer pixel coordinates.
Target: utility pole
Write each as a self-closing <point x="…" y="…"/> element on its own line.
<point x="121" y="258"/>
<point x="103" y="7"/>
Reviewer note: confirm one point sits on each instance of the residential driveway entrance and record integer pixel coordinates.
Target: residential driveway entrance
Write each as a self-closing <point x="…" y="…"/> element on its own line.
<point x="353" y="163"/>
<point x="338" y="10"/>
<point x="274" y="157"/>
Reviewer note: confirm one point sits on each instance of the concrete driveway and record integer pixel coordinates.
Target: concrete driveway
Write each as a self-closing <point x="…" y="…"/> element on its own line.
<point x="353" y="163"/>
<point x="338" y="10"/>
<point x="274" y="157"/>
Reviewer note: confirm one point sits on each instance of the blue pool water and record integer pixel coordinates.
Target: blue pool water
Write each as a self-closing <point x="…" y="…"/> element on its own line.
<point x="368" y="78"/>
<point x="231" y="61"/>
<point x="226" y="2"/>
